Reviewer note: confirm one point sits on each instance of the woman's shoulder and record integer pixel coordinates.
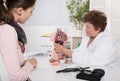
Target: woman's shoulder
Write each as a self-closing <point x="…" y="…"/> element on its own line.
<point x="108" y="37"/>
<point x="6" y="28"/>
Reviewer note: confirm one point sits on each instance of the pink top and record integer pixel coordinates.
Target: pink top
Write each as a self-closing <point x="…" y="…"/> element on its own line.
<point x="10" y="50"/>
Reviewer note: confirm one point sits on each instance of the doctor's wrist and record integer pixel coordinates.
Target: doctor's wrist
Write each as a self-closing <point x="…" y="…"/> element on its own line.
<point x="68" y="53"/>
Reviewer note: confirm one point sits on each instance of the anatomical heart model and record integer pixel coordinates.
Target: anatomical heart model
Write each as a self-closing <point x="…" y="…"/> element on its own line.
<point x="58" y="37"/>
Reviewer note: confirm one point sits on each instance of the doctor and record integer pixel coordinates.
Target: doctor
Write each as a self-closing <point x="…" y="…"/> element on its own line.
<point x="98" y="47"/>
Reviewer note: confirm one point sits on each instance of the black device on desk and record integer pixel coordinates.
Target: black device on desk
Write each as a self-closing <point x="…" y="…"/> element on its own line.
<point x="85" y="74"/>
<point x="72" y="69"/>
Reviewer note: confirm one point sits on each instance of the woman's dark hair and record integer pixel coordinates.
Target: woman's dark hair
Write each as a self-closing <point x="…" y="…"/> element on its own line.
<point x="97" y="19"/>
<point x="5" y="10"/>
<point x="5" y="16"/>
<point x="25" y="4"/>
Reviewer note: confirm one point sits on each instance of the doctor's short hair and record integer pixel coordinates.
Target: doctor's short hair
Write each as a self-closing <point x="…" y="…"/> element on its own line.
<point x="96" y="18"/>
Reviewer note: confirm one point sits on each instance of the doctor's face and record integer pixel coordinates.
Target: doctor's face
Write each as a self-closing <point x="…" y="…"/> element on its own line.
<point x="90" y="30"/>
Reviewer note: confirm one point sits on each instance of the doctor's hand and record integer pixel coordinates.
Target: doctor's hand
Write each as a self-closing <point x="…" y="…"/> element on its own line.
<point x="59" y="48"/>
<point x="62" y="50"/>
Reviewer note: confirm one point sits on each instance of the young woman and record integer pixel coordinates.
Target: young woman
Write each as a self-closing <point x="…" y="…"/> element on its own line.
<point x="15" y="8"/>
<point x="18" y="68"/>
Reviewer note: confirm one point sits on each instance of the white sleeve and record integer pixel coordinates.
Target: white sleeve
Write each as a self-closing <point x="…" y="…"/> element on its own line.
<point x="101" y="55"/>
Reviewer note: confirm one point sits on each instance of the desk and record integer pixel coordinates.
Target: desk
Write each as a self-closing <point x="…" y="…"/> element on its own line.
<point x="47" y="72"/>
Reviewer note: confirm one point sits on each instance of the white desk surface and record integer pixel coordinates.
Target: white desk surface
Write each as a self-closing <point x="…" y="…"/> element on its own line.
<point x="47" y="72"/>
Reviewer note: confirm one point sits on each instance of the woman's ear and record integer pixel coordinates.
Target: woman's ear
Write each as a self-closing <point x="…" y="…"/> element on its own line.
<point x="98" y="29"/>
<point x="19" y="11"/>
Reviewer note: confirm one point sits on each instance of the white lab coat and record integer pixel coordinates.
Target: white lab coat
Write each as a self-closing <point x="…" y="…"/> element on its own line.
<point x="102" y="51"/>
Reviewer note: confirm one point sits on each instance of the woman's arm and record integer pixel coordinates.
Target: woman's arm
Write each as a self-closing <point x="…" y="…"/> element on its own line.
<point x="12" y="57"/>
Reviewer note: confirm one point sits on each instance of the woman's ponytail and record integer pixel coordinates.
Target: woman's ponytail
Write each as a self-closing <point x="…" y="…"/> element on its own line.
<point x="5" y="16"/>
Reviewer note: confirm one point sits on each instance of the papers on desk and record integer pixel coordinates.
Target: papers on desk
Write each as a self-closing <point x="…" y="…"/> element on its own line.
<point x="34" y="53"/>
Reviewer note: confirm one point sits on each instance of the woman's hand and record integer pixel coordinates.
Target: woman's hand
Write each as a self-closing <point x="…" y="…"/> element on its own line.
<point x="63" y="50"/>
<point x="33" y="61"/>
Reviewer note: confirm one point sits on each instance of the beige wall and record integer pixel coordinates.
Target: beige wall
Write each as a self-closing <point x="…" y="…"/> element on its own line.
<point x="115" y="18"/>
<point x="109" y="7"/>
<point x="112" y="9"/>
